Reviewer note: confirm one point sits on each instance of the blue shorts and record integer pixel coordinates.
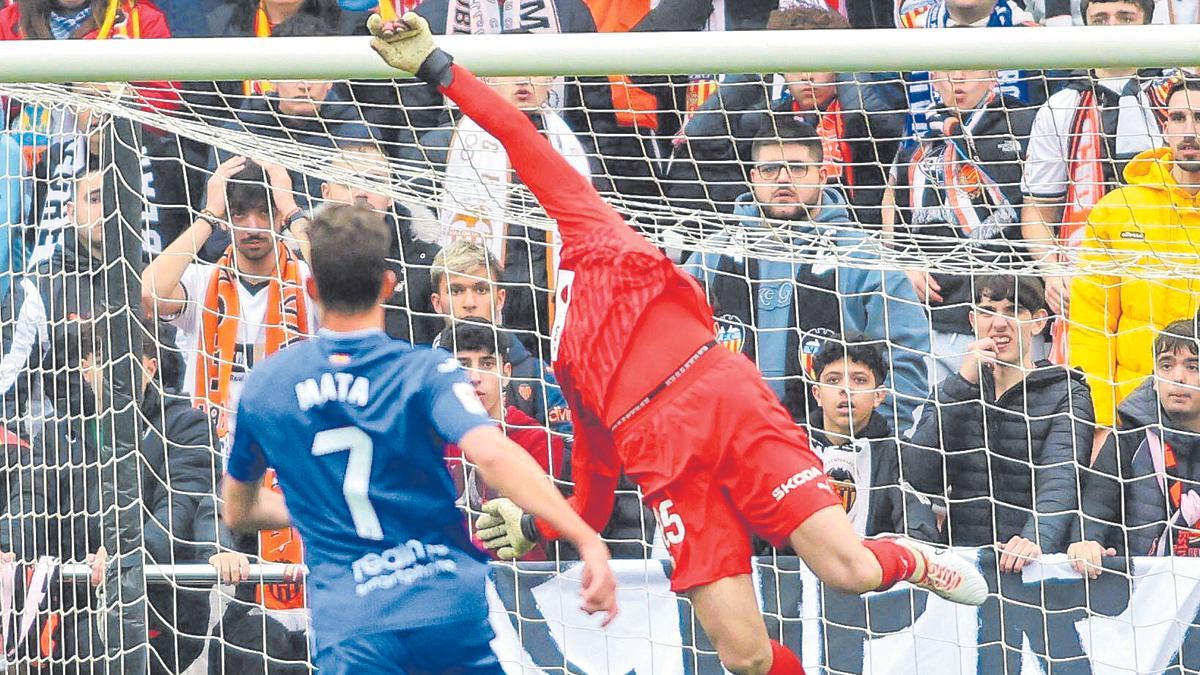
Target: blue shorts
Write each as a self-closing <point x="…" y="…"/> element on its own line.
<point x="460" y="648"/>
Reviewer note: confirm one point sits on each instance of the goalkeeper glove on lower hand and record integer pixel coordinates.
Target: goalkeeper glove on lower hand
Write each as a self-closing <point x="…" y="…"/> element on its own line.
<point x="506" y="529"/>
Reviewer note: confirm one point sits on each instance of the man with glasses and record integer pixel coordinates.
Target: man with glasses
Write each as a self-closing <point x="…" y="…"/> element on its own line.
<point x="779" y="312"/>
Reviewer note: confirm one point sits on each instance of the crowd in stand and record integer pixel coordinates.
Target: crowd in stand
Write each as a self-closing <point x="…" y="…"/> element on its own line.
<point x="1037" y="412"/>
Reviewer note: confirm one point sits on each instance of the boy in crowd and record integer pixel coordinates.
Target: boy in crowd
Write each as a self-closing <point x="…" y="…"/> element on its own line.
<point x="483" y="350"/>
<point x="1142" y="495"/>
<point x="1002" y="438"/>
<point x="465" y="279"/>
<point x="857" y="444"/>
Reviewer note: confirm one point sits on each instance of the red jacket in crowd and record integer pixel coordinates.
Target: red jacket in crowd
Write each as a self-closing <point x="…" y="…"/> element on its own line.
<point x="131" y="20"/>
<point x="546" y="449"/>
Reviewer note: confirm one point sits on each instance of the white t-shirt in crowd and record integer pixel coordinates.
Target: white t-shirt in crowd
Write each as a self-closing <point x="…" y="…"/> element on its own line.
<point x="1046" y="172"/>
<point x="252" y="331"/>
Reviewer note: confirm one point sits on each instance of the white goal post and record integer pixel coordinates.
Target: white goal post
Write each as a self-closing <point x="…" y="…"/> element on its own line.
<point x="609" y="53"/>
<point x="1141" y="617"/>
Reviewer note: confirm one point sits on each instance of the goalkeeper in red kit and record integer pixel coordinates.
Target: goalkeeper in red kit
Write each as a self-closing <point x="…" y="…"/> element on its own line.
<point x="715" y="453"/>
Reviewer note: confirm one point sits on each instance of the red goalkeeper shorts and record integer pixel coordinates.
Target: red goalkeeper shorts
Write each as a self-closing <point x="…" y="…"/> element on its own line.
<point x="718" y="459"/>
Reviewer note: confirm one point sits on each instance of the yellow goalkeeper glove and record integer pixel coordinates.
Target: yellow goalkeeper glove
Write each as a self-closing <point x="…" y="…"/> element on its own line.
<point x="404" y="44"/>
<point x="506" y="529"/>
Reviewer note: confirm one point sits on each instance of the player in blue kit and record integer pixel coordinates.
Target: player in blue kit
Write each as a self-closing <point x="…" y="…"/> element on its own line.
<point x="354" y="424"/>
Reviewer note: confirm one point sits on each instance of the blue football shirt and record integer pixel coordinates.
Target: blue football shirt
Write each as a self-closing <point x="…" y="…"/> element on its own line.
<point x="355" y="425"/>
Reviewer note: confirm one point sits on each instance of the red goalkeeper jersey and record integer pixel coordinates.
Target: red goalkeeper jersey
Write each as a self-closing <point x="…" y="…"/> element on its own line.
<point x="607" y="348"/>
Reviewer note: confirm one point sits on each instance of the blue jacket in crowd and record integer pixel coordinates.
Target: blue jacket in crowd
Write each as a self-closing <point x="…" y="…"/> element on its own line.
<point x="796" y="306"/>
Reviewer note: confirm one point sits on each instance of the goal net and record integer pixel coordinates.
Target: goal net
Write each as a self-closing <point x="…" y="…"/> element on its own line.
<point x="976" y="290"/>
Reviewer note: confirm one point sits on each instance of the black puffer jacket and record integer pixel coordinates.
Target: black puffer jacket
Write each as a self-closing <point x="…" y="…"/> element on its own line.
<point x="179" y="479"/>
<point x="1123" y="503"/>
<point x="54" y="494"/>
<point x="1005" y="466"/>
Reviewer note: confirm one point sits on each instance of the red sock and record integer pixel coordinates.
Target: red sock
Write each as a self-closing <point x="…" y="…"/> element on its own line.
<point x="783" y="661"/>
<point x="897" y="561"/>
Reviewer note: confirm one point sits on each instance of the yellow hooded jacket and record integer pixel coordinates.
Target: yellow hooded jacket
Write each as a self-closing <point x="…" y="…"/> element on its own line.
<point x="1146" y="237"/>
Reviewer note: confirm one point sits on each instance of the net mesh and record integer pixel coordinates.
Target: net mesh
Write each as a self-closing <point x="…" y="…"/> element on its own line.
<point x="918" y="203"/>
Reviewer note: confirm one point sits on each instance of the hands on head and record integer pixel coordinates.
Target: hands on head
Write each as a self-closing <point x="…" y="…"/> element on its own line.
<point x="278" y="180"/>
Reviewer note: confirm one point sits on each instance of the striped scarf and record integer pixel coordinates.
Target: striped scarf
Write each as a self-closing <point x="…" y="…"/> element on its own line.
<point x="262" y="29"/>
<point x="945" y="174"/>
<point x="63" y="27"/>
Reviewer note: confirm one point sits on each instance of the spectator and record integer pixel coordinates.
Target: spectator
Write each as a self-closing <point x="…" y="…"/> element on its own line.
<point x="1079" y="144"/>
<point x="1142" y="495"/>
<point x="317" y="113"/>
<point x="465" y="278"/>
<point x="245" y="307"/>
<point x="258" y="18"/>
<point x="957" y="190"/>
<point x="53" y="508"/>
<point x="167" y="180"/>
<point x="480" y="196"/>
<point x="93" y="20"/>
<point x="231" y="315"/>
<point x="789" y="307"/>
<point x="261" y="18"/>
<point x="410" y="314"/>
<point x="857" y="444"/>
<point x="69" y="286"/>
<point x="483" y="352"/>
<point x="860" y="119"/>
<point x="181" y="458"/>
<point x="585" y="103"/>
<point x="1026" y="86"/>
<point x="1115" y="317"/>
<point x="1000" y="442"/>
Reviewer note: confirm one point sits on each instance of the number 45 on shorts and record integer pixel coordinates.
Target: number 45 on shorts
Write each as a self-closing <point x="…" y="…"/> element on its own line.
<point x="671" y="523"/>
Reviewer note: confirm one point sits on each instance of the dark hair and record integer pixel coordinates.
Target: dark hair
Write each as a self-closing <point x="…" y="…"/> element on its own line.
<point x="301" y="24"/>
<point x="1179" y="334"/>
<point x="328" y="12"/>
<point x="348" y="249"/>
<point x="1025" y="292"/>
<point x="854" y="347"/>
<point x="35" y="18"/>
<point x="247" y="190"/>
<point x="776" y="129"/>
<point x="472" y="334"/>
<point x="806" y="18"/>
<point x="1147" y="7"/>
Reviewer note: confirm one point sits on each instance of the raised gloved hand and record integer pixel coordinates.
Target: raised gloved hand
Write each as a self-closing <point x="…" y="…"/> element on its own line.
<point x="403" y="44"/>
<point x="505" y="529"/>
